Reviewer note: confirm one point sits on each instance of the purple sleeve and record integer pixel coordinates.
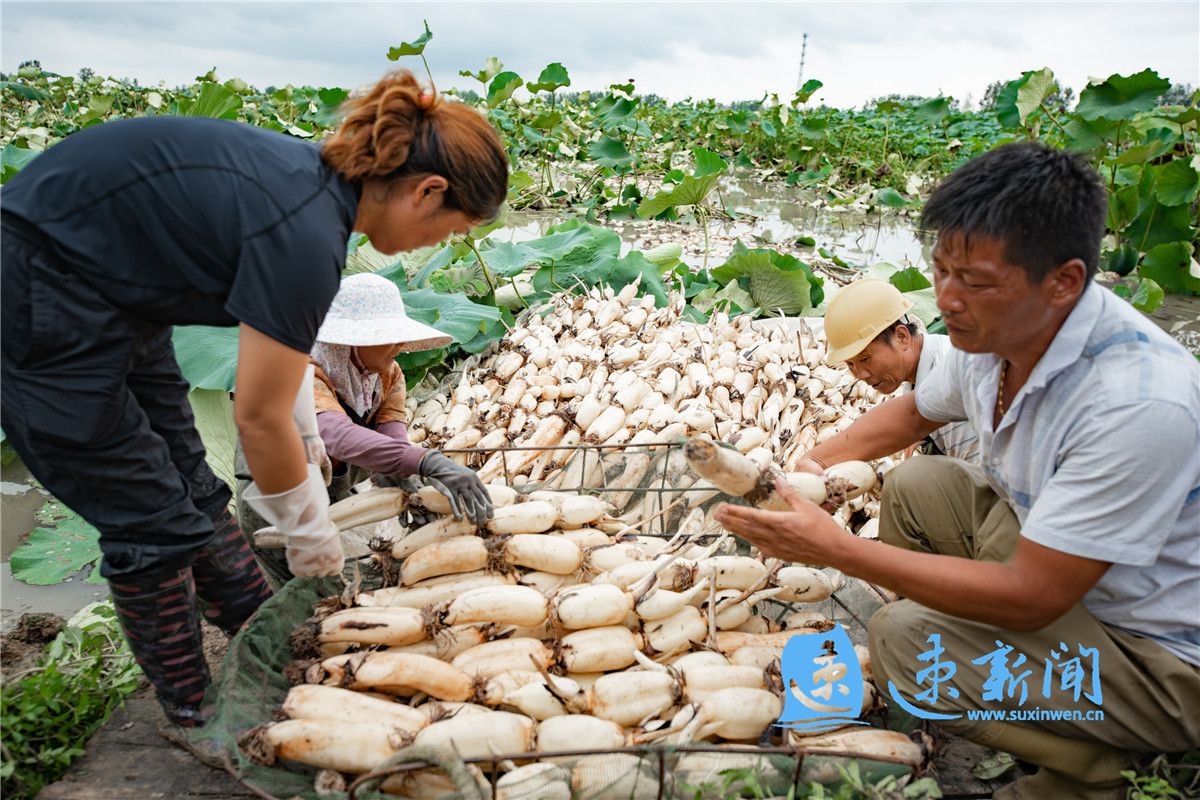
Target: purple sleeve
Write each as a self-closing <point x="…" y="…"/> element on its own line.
<point x="399" y="432"/>
<point x="394" y="430"/>
<point x="381" y="451"/>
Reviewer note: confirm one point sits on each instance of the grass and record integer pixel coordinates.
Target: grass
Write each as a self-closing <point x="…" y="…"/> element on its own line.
<point x="49" y="712"/>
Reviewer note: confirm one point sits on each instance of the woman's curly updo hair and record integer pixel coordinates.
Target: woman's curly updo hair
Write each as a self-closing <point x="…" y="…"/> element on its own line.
<point x="397" y="131"/>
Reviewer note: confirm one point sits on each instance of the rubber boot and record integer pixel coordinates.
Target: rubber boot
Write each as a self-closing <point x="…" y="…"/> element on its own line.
<point x="1071" y="769"/>
<point x="228" y="578"/>
<point x="158" y="614"/>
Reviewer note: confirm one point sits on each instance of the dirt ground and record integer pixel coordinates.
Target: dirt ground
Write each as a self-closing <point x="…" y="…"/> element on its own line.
<point x="21" y="647"/>
<point x="128" y="759"/>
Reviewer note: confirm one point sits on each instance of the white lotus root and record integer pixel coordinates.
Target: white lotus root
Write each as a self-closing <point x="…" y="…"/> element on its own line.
<point x="561" y="624"/>
<point x="735" y="474"/>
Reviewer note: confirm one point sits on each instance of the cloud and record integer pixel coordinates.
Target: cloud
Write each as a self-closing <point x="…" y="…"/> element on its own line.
<point x="723" y="50"/>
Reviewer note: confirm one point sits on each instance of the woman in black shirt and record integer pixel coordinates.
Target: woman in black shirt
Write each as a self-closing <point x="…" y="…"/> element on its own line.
<point x="125" y="229"/>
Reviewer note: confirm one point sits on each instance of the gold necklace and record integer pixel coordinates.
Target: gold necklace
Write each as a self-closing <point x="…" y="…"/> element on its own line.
<point x="1000" y="390"/>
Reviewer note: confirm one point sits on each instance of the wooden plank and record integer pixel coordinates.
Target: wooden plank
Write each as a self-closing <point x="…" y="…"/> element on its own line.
<point x="127" y="759"/>
<point x="64" y="791"/>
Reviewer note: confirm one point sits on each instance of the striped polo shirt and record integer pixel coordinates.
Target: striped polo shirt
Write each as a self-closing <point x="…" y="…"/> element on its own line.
<point x="1099" y="456"/>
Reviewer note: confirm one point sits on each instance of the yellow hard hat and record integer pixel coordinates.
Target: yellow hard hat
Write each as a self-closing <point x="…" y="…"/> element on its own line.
<point x="858" y="313"/>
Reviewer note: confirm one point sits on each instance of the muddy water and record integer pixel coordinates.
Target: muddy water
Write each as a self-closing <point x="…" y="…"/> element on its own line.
<point x="1180" y="317"/>
<point x="774" y="215"/>
<point x="19" y="503"/>
<point x="770" y="215"/>
<point x="778" y="215"/>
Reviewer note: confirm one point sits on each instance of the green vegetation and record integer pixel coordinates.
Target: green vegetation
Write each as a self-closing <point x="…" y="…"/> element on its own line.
<point x="454" y="289"/>
<point x="614" y="154"/>
<point x="860" y="780"/>
<point x="1166" y="777"/>
<point x="595" y="156"/>
<point x="49" y="712"/>
<point x="1146" y="152"/>
<point x="1149" y="787"/>
<point x="617" y="155"/>
<point x="60" y="547"/>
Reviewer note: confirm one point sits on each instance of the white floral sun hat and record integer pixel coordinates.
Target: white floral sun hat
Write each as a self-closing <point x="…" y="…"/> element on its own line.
<point x="368" y="310"/>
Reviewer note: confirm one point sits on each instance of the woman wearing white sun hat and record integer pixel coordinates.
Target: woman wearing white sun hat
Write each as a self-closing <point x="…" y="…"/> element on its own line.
<point x="359" y="397"/>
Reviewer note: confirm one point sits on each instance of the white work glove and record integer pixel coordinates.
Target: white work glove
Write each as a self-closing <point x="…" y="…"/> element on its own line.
<point x="304" y="414"/>
<point x="314" y="546"/>
<point x="314" y="453"/>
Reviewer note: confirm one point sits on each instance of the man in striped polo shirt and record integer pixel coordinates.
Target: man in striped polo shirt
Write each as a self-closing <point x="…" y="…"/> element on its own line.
<point x="867" y="327"/>
<point x="1052" y="596"/>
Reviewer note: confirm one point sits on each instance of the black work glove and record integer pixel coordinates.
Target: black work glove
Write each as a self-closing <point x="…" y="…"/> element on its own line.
<point x="413" y="517"/>
<point x="466" y="493"/>
<point x="418" y="518"/>
<point x="408" y="483"/>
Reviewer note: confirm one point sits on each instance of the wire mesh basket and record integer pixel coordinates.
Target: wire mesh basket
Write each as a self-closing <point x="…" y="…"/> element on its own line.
<point x="696" y="772"/>
<point x="652" y="508"/>
<point x="660" y="505"/>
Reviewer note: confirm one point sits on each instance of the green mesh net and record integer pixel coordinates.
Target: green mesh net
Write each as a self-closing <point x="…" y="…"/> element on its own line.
<point x="251" y="688"/>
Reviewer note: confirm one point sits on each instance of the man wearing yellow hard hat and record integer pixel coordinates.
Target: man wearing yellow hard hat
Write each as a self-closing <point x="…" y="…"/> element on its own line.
<point x="867" y="327"/>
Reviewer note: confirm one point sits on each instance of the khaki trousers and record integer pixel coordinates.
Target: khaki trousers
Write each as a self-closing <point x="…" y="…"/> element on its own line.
<point x="1151" y="698"/>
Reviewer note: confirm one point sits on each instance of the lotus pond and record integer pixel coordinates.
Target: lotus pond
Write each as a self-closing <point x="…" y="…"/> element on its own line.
<point x="761" y="207"/>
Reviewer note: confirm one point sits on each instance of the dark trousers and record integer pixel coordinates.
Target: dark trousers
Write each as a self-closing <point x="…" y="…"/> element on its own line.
<point x="94" y="403"/>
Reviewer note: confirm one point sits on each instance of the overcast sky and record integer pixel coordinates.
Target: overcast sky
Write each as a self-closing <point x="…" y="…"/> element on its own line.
<point x="726" y="51"/>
